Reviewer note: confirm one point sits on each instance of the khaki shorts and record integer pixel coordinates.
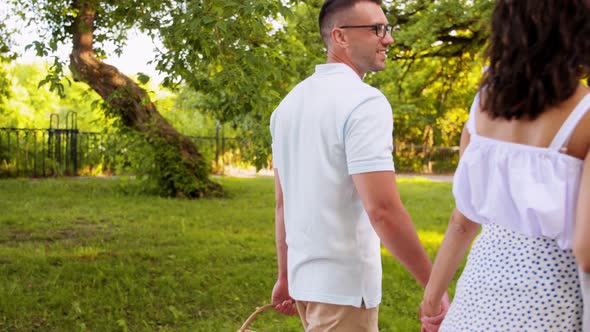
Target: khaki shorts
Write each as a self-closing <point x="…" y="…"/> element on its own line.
<point x="324" y="317"/>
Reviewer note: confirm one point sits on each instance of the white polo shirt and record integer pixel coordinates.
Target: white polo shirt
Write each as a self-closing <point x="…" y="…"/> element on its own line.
<point x="330" y="126"/>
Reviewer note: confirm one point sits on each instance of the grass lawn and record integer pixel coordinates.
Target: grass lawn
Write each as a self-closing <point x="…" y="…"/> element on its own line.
<point x="94" y="255"/>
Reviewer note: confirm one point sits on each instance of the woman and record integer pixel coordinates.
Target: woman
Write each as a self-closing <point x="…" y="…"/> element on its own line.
<point x="523" y="178"/>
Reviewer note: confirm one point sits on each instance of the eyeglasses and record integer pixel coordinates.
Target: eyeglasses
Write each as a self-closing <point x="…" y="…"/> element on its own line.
<point x="380" y="29"/>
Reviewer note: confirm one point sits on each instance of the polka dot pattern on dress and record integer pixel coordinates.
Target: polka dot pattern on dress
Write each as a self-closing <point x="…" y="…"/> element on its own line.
<point x="516" y="283"/>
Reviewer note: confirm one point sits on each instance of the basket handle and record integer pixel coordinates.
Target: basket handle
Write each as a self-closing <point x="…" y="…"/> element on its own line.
<point x="251" y="318"/>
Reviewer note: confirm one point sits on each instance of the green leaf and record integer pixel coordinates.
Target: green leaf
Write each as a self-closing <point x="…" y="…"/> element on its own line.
<point x="143" y="78"/>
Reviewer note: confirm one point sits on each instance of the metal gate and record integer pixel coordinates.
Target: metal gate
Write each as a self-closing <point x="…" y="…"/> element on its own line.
<point x="62" y="144"/>
<point x="41" y="152"/>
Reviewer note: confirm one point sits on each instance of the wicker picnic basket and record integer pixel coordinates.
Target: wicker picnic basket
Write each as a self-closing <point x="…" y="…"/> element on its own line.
<point x="250" y="319"/>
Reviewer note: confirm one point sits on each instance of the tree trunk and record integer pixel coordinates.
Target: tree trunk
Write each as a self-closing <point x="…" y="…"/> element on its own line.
<point x="182" y="169"/>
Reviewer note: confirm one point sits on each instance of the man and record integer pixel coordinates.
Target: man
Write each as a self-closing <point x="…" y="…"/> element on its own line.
<point x="336" y="195"/>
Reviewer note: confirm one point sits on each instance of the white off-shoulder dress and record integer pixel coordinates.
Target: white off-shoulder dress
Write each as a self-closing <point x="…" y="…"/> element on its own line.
<point x="521" y="274"/>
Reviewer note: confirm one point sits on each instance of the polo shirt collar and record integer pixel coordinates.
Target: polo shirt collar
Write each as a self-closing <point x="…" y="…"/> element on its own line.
<point x="335" y="68"/>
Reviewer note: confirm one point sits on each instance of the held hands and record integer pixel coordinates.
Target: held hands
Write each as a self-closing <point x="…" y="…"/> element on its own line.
<point x="281" y="300"/>
<point x="432" y="314"/>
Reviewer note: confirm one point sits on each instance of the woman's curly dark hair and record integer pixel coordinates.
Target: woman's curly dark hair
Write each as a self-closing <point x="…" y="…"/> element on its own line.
<point x="538" y="52"/>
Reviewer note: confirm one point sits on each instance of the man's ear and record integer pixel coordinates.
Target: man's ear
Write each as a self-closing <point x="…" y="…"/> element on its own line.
<point x="339" y="37"/>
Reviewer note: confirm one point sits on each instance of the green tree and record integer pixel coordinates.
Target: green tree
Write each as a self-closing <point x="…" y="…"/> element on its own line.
<point x="31" y="105"/>
<point x="435" y="67"/>
<point x="239" y="58"/>
<point x="6" y="56"/>
<point x="432" y="75"/>
<point x="432" y="72"/>
<point x="220" y="48"/>
<point x="297" y="48"/>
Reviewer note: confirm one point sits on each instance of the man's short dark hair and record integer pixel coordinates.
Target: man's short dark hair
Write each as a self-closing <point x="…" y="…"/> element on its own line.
<point x="330" y="9"/>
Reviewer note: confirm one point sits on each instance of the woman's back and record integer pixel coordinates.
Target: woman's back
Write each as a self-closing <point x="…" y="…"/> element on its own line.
<point x="541" y="131"/>
<point x="516" y="180"/>
<point x="525" y="174"/>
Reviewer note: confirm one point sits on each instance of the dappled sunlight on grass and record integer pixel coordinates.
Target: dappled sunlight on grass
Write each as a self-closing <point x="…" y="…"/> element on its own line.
<point x="414" y="179"/>
<point x="430" y="240"/>
<point x="88" y="253"/>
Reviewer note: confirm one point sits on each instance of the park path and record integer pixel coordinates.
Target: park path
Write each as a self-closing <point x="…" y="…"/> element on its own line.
<point x="251" y="172"/>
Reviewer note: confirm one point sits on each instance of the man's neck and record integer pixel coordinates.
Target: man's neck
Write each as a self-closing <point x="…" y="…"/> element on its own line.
<point x="333" y="57"/>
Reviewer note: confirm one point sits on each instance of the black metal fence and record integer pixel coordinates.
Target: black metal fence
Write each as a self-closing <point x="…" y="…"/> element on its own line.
<point x="55" y="151"/>
<point x="47" y="152"/>
<point x="67" y="151"/>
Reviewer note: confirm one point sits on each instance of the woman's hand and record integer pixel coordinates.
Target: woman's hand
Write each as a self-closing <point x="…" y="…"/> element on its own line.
<point x="430" y="308"/>
<point x="432" y="313"/>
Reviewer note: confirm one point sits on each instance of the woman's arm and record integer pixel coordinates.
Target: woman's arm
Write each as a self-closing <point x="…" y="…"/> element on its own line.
<point x="458" y="238"/>
<point x="460" y="233"/>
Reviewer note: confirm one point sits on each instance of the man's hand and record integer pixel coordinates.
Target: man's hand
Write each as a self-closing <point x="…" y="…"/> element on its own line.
<point x="281" y="300"/>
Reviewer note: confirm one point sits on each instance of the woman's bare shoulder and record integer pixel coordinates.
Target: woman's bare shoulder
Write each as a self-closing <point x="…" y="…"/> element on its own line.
<point x="580" y="140"/>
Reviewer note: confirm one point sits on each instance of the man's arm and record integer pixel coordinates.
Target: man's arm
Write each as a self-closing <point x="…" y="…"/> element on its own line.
<point x="391" y="221"/>
<point x="280" y="294"/>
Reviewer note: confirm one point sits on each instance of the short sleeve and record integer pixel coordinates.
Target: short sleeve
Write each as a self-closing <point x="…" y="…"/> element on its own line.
<point x="368" y="137"/>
